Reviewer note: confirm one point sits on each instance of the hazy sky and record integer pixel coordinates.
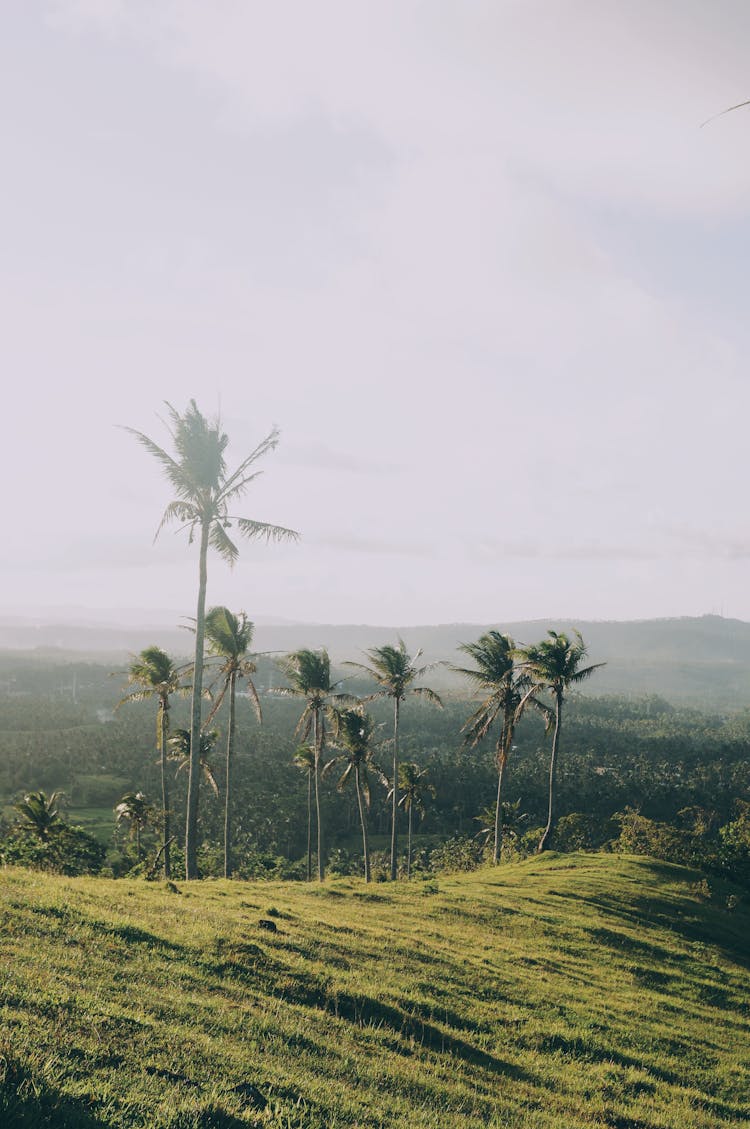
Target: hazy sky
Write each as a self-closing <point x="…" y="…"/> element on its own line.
<point x="475" y="258"/>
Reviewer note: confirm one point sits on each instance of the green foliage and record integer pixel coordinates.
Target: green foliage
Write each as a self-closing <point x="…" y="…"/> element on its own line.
<point x="67" y="850"/>
<point x="458" y="853"/>
<point x="583" y="831"/>
<point x="40" y="813"/>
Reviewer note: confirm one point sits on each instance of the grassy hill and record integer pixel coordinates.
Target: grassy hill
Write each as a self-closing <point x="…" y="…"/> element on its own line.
<point x="562" y="992"/>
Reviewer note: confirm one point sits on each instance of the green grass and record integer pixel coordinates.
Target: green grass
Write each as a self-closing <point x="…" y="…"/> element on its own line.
<point x="562" y="992"/>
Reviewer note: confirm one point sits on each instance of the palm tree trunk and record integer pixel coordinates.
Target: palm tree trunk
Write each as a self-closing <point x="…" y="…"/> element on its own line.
<point x="497" y="848"/>
<point x="191" y="822"/>
<point x="363" y="821"/>
<point x="228" y="795"/>
<point x="316" y="739"/>
<point x="408" y="849"/>
<point x="552" y="774"/>
<point x="394" y="808"/>
<point x="164" y="706"/>
<point x="309" y="825"/>
<point x="138" y="842"/>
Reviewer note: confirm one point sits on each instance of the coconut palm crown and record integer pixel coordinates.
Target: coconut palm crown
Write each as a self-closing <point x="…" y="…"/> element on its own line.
<point x="205" y="490"/>
<point x="40" y="812"/>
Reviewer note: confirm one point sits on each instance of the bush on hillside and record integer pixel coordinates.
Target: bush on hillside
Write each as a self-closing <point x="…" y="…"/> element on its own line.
<point x="69" y="850"/>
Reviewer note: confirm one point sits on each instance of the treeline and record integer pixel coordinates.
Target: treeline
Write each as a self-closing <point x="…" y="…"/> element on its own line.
<point x="685" y="773"/>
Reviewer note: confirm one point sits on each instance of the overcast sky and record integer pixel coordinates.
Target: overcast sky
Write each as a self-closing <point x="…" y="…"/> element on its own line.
<point x="475" y="258"/>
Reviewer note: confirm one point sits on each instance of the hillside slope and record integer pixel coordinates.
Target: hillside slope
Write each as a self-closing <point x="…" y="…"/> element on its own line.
<point x="562" y="992"/>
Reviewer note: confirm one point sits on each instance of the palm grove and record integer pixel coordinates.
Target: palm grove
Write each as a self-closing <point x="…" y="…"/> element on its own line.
<point x="509" y="679"/>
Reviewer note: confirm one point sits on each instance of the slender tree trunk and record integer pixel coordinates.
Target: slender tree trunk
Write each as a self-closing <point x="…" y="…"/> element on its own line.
<point x="394" y="807"/>
<point x="316" y="738"/>
<point x="363" y="821"/>
<point x="138" y="842"/>
<point x="191" y="822"/>
<point x="309" y="825"/>
<point x="408" y="849"/>
<point x="499" y="809"/>
<point x="228" y="796"/>
<point x="163" y="727"/>
<point x="552" y="774"/>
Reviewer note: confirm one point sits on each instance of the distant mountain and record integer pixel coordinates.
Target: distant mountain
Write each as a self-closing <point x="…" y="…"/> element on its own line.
<point x="704" y="661"/>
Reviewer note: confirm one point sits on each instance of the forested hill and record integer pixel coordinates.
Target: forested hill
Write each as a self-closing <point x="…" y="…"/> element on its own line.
<point x="704" y="660"/>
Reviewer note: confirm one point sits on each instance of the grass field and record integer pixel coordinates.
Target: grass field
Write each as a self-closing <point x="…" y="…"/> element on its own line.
<point x="565" y="991"/>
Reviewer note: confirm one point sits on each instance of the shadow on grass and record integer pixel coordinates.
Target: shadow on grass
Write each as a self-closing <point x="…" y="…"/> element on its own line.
<point x="585" y="1050"/>
<point x="410" y="1026"/>
<point x="25" y="1104"/>
<point x="708" y="923"/>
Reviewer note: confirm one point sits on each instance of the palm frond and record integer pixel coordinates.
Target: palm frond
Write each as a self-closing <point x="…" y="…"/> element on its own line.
<point x="217" y="703"/>
<point x="174" y="471"/>
<point x="581" y="675"/>
<point x="430" y="695"/>
<point x="262" y="529"/>
<point x="729" y="109"/>
<point x="178" y="510"/>
<point x="220" y="540"/>
<point x="270" y="443"/>
<point x="255" y="699"/>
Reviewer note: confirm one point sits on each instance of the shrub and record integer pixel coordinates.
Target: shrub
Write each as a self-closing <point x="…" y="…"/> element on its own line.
<point x="69" y="850"/>
<point x="458" y="853"/>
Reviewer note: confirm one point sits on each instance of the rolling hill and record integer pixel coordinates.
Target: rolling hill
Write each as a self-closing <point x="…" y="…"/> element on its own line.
<point x="563" y="992"/>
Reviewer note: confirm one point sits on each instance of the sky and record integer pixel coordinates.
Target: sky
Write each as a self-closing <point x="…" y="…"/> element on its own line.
<point x="477" y="260"/>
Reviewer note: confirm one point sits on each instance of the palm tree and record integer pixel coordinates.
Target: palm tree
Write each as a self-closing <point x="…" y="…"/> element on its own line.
<point x="205" y="490"/>
<point x="353" y="730"/>
<point x="555" y="665"/>
<point x="229" y="637"/>
<point x="512" y="820"/>
<point x="309" y="675"/>
<point x="394" y="671"/>
<point x="304" y="760"/>
<point x="506" y="688"/>
<point x="411" y="780"/>
<point x="155" y="675"/>
<point x="40" y="812"/>
<point x="135" y="809"/>
<point x="179" y="743"/>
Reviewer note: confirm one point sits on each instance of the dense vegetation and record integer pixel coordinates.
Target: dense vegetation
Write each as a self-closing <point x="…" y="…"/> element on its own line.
<point x="686" y="773"/>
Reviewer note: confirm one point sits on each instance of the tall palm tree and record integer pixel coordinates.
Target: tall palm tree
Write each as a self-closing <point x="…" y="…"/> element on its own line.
<point x="353" y="729"/>
<point x="309" y="676"/>
<point x="229" y="637"/>
<point x="204" y="488"/>
<point x="304" y="760"/>
<point x="135" y="809"/>
<point x="413" y="790"/>
<point x="395" y="673"/>
<point x="555" y="665"/>
<point x="155" y="675"/>
<point x="505" y="687"/>
<point x="40" y="812"/>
